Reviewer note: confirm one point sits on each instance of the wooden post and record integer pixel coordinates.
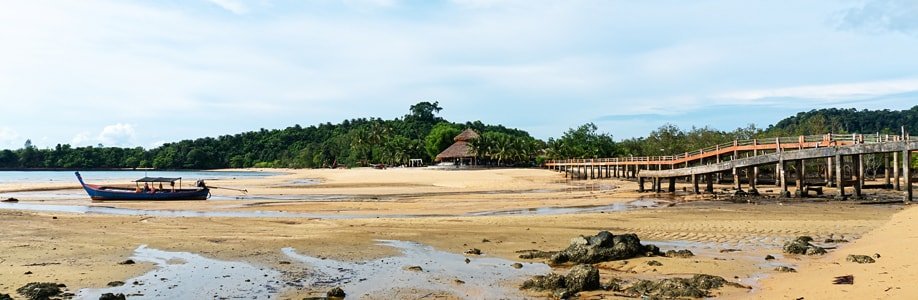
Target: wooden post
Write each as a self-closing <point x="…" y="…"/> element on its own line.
<point x="829" y="171"/>
<point x="753" y="174"/>
<point x="896" y="171"/>
<point x="886" y="170"/>
<point x="672" y="184"/>
<point x="641" y="184"/>
<point x="859" y="186"/>
<point x="839" y="179"/>
<point x="907" y="173"/>
<point x="709" y="183"/>
<point x="695" y="184"/>
<point x="736" y="180"/>
<point x="798" y="169"/>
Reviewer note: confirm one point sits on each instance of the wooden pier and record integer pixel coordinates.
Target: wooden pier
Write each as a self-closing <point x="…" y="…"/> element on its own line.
<point x="839" y="161"/>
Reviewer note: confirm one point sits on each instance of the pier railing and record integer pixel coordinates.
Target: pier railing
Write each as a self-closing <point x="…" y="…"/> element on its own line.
<point x="764" y="144"/>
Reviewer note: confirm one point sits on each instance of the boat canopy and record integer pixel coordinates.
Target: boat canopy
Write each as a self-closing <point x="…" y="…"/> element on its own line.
<point x="158" y="179"/>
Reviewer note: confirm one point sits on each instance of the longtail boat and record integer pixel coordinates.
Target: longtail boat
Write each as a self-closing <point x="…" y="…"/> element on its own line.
<point x="148" y="192"/>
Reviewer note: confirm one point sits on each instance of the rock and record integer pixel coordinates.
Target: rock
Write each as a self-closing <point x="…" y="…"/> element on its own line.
<point x="467" y="260"/>
<point x="10" y="200"/>
<point x="110" y="296"/>
<point x="336" y="292"/>
<point x="861" y="259"/>
<point x="485" y="241"/>
<point x="548" y="282"/>
<point x="876" y="255"/>
<point x="802" y="245"/>
<point x="836" y="241"/>
<point x="458" y="281"/>
<point x="473" y="251"/>
<point x="651" y="250"/>
<point x="5" y="297"/>
<point x="654" y="263"/>
<point x="39" y="290"/>
<point x="669" y="288"/>
<point x="27" y="273"/>
<point x="533" y="254"/>
<point x="517" y="265"/>
<point x="127" y="262"/>
<point x="786" y="269"/>
<point x="769" y="257"/>
<point x="728" y="250"/>
<point x="582" y="278"/>
<point x="115" y="283"/>
<point x="613" y="284"/>
<point x="679" y="253"/>
<point x="604" y="246"/>
<point x="283" y="262"/>
<point x="414" y="268"/>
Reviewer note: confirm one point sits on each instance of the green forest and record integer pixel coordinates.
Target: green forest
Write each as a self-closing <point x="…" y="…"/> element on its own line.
<point x="421" y="133"/>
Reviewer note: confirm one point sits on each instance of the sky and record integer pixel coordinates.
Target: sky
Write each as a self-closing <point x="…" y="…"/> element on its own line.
<point x="141" y="73"/>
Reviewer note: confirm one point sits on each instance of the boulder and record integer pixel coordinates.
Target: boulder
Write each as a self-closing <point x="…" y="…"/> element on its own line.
<point x="336" y="293"/>
<point x="110" y="296"/>
<point x="5" y="297"/>
<point x="548" y="282"/>
<point x="473" y="251"/>
<point x="10" y="200"/>
<point x="802" y="245"/>
<point x="604" y="246"/>
<point x="115" y="283"/>
<point x="582" y="278"/>
<point x="39" y="290"/>
<point x="769" y="257"/>
<point x="127" y="262"/>
<point x="861" y="259"/>
<point x="517" y="265"/>
<point x="654" y="263"/>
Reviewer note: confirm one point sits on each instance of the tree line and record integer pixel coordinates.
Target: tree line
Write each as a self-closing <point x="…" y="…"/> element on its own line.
<point x="423" y="134"/>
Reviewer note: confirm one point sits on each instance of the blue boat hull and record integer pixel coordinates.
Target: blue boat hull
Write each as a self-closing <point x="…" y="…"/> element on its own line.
<point x="107" y="193"/>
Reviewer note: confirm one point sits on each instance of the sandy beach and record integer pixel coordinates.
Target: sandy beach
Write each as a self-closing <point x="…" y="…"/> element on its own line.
<point x="346" y="213"/>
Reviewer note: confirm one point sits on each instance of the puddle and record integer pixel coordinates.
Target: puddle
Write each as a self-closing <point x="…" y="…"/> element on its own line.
<point x="614" y="207"/>
<point x="484" y="277"/>
<point x="182" y="275"/>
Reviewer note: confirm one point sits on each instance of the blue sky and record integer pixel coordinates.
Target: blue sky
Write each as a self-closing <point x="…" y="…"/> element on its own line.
<point x="139" y="73"/>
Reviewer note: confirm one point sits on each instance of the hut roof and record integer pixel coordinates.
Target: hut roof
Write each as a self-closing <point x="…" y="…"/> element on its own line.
<point x="459" y="149"/>
<point x="466" y="135"/>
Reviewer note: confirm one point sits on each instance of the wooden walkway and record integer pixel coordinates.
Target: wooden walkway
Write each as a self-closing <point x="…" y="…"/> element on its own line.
<point x="743" y="161"/>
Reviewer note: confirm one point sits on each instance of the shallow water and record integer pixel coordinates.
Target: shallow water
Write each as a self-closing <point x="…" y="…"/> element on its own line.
<point x="614" y="207"/>
<point x="182" y="275"/>
<point x="484" y="277"/>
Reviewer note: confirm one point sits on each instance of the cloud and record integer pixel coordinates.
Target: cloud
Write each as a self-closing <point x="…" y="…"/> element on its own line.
<point x="882" y="16"/>
<point x="827" y="93"/>
<point x="81" y="139"/>
<point x="9" y="138"/>
<point x="117" y="135"/>
<point x="233" y="6"/>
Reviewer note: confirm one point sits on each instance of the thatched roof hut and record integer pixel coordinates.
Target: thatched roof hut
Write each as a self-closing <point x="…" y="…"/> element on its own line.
<point x="461" y="148"/>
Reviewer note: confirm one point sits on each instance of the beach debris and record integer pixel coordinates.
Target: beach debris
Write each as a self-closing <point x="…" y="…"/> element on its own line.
<point x="127" y="262"/>
<point x="846" y="279"/>
<point x="110" y="296"/>
<point x="10" y="200"/>
<point x="769" y="257"/>
<point x="696" y="287"/>
<point x="458" y="281"/>
<point x="684" y="253"/>
<point x="654" y="263"/>
<point x="115" y="283"/>
<point x="802" y="245"/>
<point x="604" y="246"/>
<point x="517" y="265"/>
<point x="786" y="269"/>
<point x="861" y="259"/>
<point x="836" y="241"/>
<point x="473" y="251"/>
<point x="336" y="293"/>
<point x="583" y="277"/>
<point x="414" y="268"/>
<point x="39" y="290"/>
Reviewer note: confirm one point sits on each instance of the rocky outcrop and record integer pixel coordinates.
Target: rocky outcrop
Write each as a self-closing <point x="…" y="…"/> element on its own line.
<point x="684" y="253"/>
<point x="580" y="278"/>
<point x="604" y="246"/>
<point x="672" y="288"/>
<point x="336" y="293"/>
<point x="39" y="290"/>
<point x="802" y="245"/>
<point x="110" y="296"/>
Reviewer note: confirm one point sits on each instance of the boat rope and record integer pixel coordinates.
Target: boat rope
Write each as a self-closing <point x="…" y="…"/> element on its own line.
<point x="245" y="191"/>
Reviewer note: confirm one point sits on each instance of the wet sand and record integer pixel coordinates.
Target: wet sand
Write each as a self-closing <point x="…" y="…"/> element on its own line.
<point x="83" y="250"/>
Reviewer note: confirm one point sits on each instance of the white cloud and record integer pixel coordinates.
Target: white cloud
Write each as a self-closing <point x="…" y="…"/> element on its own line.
<point x="81" y="139"/>
<point x="117" y="135"/>
<point x="234" y="6"/>
<point x="9" y="138"/>
<point x="828" y="92"/>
